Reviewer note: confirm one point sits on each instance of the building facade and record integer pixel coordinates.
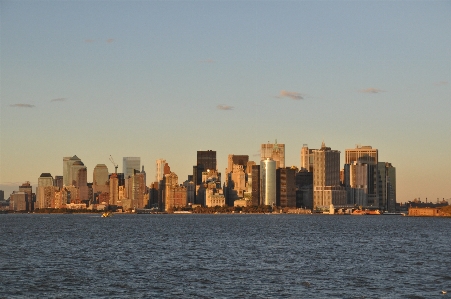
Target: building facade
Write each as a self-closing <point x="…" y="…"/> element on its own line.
<point x="326" y="179"/>
<point x="129" y="165"/>
<point x="275" y="152"/>
<point x="268" y="192"/>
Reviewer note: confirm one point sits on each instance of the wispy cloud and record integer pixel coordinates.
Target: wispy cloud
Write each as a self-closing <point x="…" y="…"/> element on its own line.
<point x="110" y="40"/>
<point x="58" y="100"/>
<point x="22" y="105"/>
<point x="371" y="90"/>
<point x="441" y="83"/>
<point x="290" y="94"/>
<point x="224" y="107"/>
<point x="208" y="60"/>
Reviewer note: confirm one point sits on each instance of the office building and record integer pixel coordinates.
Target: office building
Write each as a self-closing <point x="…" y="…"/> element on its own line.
<point x="268" y="192"/>
<point x="174" y="194"/>
<point x="162" y="169"/>
<point x="45" y="191"/>
<point x="18" y="201"/>
<point x="237" y="160"/>
<point x="326" y="179"/>
<point x="364" y="154"/>
<point x="206" y="160"/>
<point x="100" y="179"/>
<point x="286" y="187"/>
<point x="387" y="186"/>
<point x="67" y="169"/>
<point x="58" y="181"/>
<point x="129" y="165"/>
<point x="26" y="187"/>
<point x="256" y="184"/>
<point x="113" y="190"/>
<point x="273" y="151"/>
<point x="307" y="158"/>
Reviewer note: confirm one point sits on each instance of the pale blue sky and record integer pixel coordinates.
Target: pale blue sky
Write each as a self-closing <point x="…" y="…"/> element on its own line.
<point x="147" y="79"/>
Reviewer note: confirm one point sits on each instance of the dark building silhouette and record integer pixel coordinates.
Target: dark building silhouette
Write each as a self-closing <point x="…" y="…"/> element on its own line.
<point x="205" y="160"/>
<point x="255" y="185"/>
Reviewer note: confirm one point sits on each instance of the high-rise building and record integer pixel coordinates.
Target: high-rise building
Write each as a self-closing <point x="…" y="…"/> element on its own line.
<point x="387" y="186"/>
<point x="326" y="179"/>
<point x="286" y="187"/>
<point x="206" y="160"/>
<point x="274" y="151"/>
<point x="45" y="191"/>
<point x="237" y="160"/>
<point x="100" y="178"/>
<point x="364" y="154"/>
<point x="129" y="165"/>
<point x="18" y="201"/>
<point x="2" y="195"/>
<point x="307" y="158"/>
<point x="256" y="184"/>
<point x="174" y="195"/>
<point x="161" y="163"/>
<point x="363" y="176"/>
<point x="67" y="169"/>
<point x="268" y="192"/>
<point x="58" y="181"/>
<point x="26" y="187"/>
<point x="114" y="190"/>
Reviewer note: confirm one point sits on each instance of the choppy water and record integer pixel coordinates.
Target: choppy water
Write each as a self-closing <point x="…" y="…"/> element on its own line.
<point x="224" y="256"/>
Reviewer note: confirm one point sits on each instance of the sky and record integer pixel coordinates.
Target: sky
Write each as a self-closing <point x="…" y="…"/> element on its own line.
<point x="164" y="79"/>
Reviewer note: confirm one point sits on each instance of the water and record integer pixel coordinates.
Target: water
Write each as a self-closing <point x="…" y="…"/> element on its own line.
<point x="224" y="256"/>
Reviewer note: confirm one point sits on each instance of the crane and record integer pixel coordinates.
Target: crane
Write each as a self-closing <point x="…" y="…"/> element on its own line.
<point x="115" y="165"/>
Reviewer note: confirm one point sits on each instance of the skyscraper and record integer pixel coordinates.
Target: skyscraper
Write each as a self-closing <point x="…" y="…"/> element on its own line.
<point x="45" y="191"/>
<point x="256" y="185"/>
<point x="26" y="187"/>
<point x="274" y="151"/>
<point x="268" y="182"/>
<point x="206" y="160"/>
<point x="162" y="169"/>
<point x="387" y="186"/>
<point x="326" y="179"/>
<point x="237" y="160"/>
<point x="364" y="154"/>
<point x="100" y="178"/>
<point x="129" y="165"/>
<point x="67" y="169"/>
<point x="363" y="174"/>
<point x="307" y="158"/>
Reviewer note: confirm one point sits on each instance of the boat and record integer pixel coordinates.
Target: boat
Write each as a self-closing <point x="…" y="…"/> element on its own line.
<point x="373" y="212"/>
<point x="397" y="214"/>
<point x="359" y="212"/>
<point x="107" y="214"/>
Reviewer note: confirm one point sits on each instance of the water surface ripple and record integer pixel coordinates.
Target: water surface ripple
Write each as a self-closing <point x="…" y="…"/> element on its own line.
<point x="224" y="256"/>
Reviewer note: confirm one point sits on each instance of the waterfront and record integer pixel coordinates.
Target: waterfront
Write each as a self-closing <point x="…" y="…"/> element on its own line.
<point x="224" y="256"/>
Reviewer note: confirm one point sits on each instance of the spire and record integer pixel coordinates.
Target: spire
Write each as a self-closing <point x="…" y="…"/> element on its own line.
<point x="323" y="145"/>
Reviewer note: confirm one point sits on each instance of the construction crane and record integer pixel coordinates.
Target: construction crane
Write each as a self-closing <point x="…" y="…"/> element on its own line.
<point x="115" y="165"/>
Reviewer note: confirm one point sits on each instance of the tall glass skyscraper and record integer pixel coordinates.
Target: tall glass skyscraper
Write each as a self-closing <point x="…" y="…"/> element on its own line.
<point x="129" y="165"/>
<point x="268" y="182"/>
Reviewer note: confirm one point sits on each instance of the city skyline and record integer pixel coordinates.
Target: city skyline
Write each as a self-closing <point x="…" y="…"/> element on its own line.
<point x="162" y="80"/>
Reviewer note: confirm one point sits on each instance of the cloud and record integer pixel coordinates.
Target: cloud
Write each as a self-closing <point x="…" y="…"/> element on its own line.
<point x="441" y="83"/>
<point x="22" y="105"/>
<point x="290" y="94"/>
<point x="371" y="90"/>
<point x="224" y="107"/>
<point x="110" y="40"/>
<point x="58" y="100"/>
<point x="209" y="60"/>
